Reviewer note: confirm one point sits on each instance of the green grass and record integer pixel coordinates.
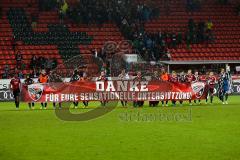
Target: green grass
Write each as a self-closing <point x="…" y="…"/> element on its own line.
<point x="212" y="133"/>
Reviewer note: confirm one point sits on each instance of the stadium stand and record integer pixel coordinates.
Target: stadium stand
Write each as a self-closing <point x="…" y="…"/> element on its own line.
<point x="53" y="39"/>
<point x="49" y="38"/>
<point x="226" y="30"/>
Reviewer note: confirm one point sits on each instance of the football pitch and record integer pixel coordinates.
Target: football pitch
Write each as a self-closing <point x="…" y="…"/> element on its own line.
<point x="197" y="132"/>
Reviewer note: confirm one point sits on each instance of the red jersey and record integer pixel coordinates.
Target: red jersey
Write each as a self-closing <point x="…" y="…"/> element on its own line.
<point x="203" y="78"/>
<point x="173" y="79"/>
<point x="189" y="78"/>
<point x="102" y="78"/>
<point x="15" y="84"/>
<point x="211" y="81"/>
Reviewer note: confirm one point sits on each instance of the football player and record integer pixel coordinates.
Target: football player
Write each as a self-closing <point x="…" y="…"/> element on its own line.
<point x="164" y="77"/>
<point x="224" y="86"/>
<point x="15" y="87"/>
<point x="196" y="78"/>
<point x="204" y="78"/>
<point x="43" y="78"/>
<point x="28" y="81"/>
<point x="174" y="79"/>
<point x="139" y="77"/>
<point x="211" y="84"/>
<point x="181" y="78"/>
<point x="189" y="78"/>
<point x="84" y="78"/>
<point x="124" y="77"/>
<point x="155" y="77"/>
<point x="75" y="77"/>
<point x="54" y="77"/>
<point x="103" y="77"/>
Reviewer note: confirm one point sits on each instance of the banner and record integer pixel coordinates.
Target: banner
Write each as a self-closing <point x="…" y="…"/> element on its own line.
<point x="113" y="90"/>
<point x="236" y="86"/>
<point x="6" y="94"/>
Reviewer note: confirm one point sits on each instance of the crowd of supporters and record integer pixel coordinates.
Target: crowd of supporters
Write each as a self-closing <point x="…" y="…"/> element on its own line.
<point x="36" y="65"/>
<point x="199" y="32"/>
<point x="94" y="11"/>
<point x="154" y="46"/>
<point x="130" y="17"/>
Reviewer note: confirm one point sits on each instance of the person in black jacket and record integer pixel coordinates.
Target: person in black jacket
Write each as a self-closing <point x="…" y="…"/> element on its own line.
<point x="75" y="77"/>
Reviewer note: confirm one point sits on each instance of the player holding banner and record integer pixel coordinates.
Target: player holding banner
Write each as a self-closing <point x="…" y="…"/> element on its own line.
<point x="43" y="78"/>
<point x="196" y="79"/>
<point x="204" y="78"/>
<point x="124" y="77"/>
<point x="84" y="78"/>
<point x="104" y="78"/>
<point x="15" y="87"/>
<point x="75" y="77"/>
<point x="164" y="77"/>
<point x="28" y="81"/>
<point x="181" y="79"/>
<point x="174" y="79"/>
<point x="211" y="84"/>
<point x="139" y="77"/>
<point x="189" y="78"/>
<point x="55" y="78"/>
<point x="154" y="77"/>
